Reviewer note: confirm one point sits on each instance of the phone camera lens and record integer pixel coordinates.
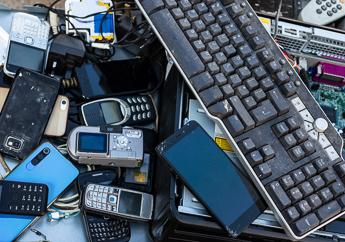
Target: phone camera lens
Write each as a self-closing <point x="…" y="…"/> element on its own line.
<point x="46" y="151"/>
<point x="63" y="102"/>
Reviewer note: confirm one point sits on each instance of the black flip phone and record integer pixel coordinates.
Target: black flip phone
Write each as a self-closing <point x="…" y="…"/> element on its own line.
<point x="211" y="176"/>
<point x="98" y="227"/>
<point x="26" y="112"/>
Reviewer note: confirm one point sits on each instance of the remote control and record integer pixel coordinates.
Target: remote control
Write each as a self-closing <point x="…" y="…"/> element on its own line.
<point x="323" y="12"/>
<point x="23" y="198"/>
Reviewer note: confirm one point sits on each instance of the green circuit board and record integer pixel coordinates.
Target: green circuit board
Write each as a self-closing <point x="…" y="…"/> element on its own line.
<point x="332" y="101"/>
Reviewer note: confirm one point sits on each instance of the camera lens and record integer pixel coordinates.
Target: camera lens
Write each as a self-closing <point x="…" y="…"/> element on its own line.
<point x="46" y="151"/>
<point x="63" y="102"/>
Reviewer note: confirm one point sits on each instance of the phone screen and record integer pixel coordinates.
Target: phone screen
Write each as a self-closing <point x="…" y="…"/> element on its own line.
<point x="130" y="203"/>
<point x="25" y="56"/>
<point x="214" y="179"/>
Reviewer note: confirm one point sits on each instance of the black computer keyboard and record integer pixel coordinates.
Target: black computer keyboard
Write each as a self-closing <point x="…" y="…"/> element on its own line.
<point x="284" y="140"/>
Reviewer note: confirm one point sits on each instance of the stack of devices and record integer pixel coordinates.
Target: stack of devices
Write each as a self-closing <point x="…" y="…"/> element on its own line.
<point x="284" y="140"/>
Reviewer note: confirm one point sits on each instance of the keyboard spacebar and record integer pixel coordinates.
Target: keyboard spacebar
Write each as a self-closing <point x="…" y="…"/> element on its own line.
<point x="178" y="44"/>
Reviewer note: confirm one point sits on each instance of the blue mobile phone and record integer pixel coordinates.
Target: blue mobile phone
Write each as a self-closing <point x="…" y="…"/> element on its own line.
<point x="45" y="165"/>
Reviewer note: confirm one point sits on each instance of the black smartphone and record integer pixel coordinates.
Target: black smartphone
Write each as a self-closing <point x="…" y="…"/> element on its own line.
<point x="212" y="177"/>
<point x="26" y="112"/>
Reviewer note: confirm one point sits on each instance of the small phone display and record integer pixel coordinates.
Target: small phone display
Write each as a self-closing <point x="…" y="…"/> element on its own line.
<point x="92" y="143"/>
<point x="130" y="203"/>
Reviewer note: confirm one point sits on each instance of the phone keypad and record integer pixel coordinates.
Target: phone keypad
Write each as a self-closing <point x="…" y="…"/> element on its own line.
<point x="109" y="230"/>
<point x="23" y="198"/>
<point x="31" y="32"/>
<point x="141" y="108"/>
<point x="102" y="198"/>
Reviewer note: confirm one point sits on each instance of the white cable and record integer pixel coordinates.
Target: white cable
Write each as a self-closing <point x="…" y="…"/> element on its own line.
<point x="54" y="22"/>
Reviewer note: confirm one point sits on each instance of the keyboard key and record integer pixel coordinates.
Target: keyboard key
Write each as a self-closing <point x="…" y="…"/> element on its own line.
<point x="281" y="78"/>
<point x="191" y="35"/>
<point x="328" y="210"/>
<point x="220" y="79"/>
<point x="264" y="112"/>
<point x="182" y="50"/>
<point x="252" y="62"/>
<point x="244" y="51"/>
<point x="309" y="170"/>
<point x="325" y="194"/>
<point x="185" y="5"/>
<point x="306" y="188"/>
<point x="206" y="57"/>
<point x="221" y="109"/>
<point x="317" y="182"/>
<point x="329" y="176"/>
<point x="288" y="141"/>
<point x="216" y="8"/>
<point x="337" y="188"/>
<point x="202" y="81"/>
<point x="301" y="135"/>
<point x="227" y="90"/>
<point x="257" y="42"/>
<point x="278" y="101"/>
<point x="308" y="147"/>
<point x="215" y="29"/>
<point x="234" y="80"/>
<point x="241" y="111"/>
<point x="287" y="182"/>
<point x="259" y="72"/>
<point x="184" y="24"/>
<point x="244" y="73"/>
<point x="220" y="58"/>
<point x="247" y="145"/>
<point x="305" y="224"/>
<point x="213" y="68"/>
<point x="320" y="164"/>
<point x="249" y="103"/>
<point x="295" y="194"/>
<point x="201" y="8"/>
<point x="288" y="89"/>
<point x="296" y="153"/>
<point x="291" y="214"/>
<point x="177" y="13"/>
<point x="266" y="84"/>
<point x="298" y="176"/>
<point x="265" y="56"/>
<point x="237" y="61"/>
<point x="234" y="125"/>
<point x="259" y="95"/>
<point x="249" y="31"/>
<point x="198" y="26"/>
<point x="340" y="169"/>
<point x="227" y="69"/>
<point x="341" y="201"/>
<point x="205" y="36"/>
<point x="229" y="50"/>
<point x="222" y="40"/>
<point x="235" y="10"/>
<point x="303" y="207"/>
<point x="279" y="195"/>
<point x="230" y="30"/>
<point x="251" y="84"/>
<point x="208" y="18"/>
<point x="223" y="19"/>
<point x="292" y="123"/>
<point x="274" y="67"/>
<point x="192" y="15"/>
<point x="211" y="95"/>
<point x="267" y="152"/>
<point x="314" y="201"/>
<point x="255" y="158"/>
<point x="242" y="91"/>
<point x="280" y="129"/>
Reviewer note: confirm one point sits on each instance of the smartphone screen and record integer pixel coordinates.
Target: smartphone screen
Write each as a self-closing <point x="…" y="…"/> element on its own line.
<point x="209" y="173"/>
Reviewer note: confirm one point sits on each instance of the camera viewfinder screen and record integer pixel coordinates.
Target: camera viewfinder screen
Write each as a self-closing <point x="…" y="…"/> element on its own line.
<point x="92" y="143"/>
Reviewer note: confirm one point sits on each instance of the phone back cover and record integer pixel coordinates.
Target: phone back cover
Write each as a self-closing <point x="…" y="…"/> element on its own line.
<point x="54" y="170"/>
<point x="26" y="111"/>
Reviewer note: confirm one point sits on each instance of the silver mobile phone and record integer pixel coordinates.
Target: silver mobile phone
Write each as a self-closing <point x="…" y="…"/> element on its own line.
<point x="119" y="202"/>
<point x="28" y="43"/>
